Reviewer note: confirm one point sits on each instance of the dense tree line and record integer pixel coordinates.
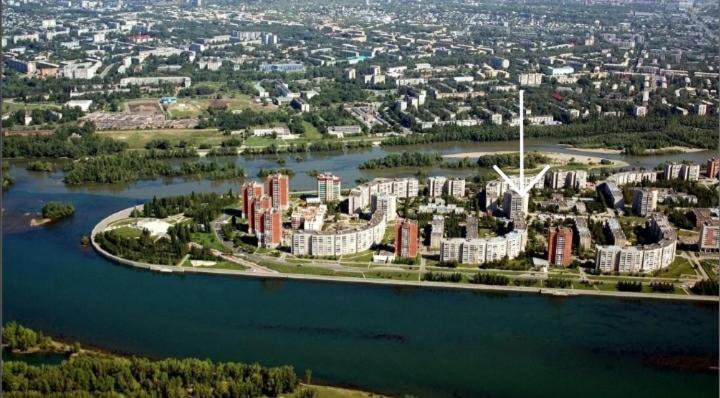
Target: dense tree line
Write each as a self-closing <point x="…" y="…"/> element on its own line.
<point x="134" y="166"/>
<point x="168" y="250"/>
<point x="688" y="130"/>
<point x="69" y="141"/>
<point x="40" y="165"/>
<point x="705" y="287"/>
<point x="490" y="279"/>
<point x="455" y="277"/>
<point x="316" y="146"/>
<point x="629" y="286"/>
<point x="86" y="375"/>
<point x="555" y="282"/>
<point x="662" y="287"/>
<point x="16" y="337"/>
<point x="201" y="207"/>
<point x="57" y="210"/>
<point x="405" y="159"/>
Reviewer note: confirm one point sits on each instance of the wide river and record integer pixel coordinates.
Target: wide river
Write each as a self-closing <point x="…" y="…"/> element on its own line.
<point x="424" y="342"/>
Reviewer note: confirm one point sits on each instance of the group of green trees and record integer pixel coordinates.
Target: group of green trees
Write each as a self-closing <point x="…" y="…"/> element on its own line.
<point x="57" y="210"/>
<point x="16" y="337"/>
<point x="134" y="166"/>
<point x="40" y="165"/>
<point x="316" y="146"/>
<point x="42" y="116"/>
<point x="201" y="207"/>
<point x="490" y="279"/>
<point x="454" y="277"/>
<point x="556" y="282"/>
<point x="629" y="286"/>
<point x="98" y="375"/>
<point x="168" y="250"/>
<point x="405" y="159"/>
<point x="650" y="132"/>
<point x="68" y="141"/>
<point x="705" y="287"/>
<point x="662" y="287"/>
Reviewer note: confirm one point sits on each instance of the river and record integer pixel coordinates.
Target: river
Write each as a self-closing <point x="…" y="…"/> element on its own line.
<point x="424" y="342"/>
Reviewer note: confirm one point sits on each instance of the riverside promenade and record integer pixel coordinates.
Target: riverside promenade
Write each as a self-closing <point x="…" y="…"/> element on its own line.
<point x="261" y="272"/>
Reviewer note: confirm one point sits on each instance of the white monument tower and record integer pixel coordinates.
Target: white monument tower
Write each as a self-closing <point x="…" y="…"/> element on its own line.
<point x="522" y="190"/>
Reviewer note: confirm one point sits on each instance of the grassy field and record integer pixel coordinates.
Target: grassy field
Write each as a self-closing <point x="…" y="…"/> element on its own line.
<point x="16" y="106"/>
<point x="127" y="232"/>
<point x="335" y="392"/>
<point x="136" y="139"/>
<point x="311" y="132"/>
<point x="362" y="257"/>
<point x="681" y="266"/>
<point x="208" y="240"/>
<point x="228" y="265"/>
<point x="259" y="141"/>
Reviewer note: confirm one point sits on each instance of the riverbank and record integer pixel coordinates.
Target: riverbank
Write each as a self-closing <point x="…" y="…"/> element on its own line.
<point x="558" y="159"/>
<point x="46" y="352"/>
<point x="257" y="272"/>
<point x="658" y="151"/>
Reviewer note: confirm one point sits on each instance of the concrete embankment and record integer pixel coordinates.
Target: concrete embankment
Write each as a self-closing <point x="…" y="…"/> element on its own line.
<point x="382" y="282"/>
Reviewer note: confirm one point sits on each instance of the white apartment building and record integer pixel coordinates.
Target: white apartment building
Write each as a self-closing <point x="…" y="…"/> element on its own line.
<point x="385" y="203"/>
<point x="339" y="242"/>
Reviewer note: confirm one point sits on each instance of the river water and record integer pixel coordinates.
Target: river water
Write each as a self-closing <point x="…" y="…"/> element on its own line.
<point x="424" y="342"/>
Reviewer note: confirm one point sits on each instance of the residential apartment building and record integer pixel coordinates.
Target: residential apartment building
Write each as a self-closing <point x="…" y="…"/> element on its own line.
<point x="644" y="201"/>
<point x="328" y="187"/>
<point x="709" y="239"/>
<point x="560" y="246"/>
<point x="278" y="187"/>
<point x="406" y="239"/>
<point x="248" y="191"/>
<point x="385" y="203"/>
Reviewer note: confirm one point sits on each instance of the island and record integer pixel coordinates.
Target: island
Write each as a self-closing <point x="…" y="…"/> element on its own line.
<point x="444" y="232"/>
<point x="53" y="211"/>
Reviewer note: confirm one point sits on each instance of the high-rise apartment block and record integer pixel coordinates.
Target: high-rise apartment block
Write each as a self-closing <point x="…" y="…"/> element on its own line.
<point x="328" y="187"/>
<point x="249" y="190"/>
<point x="406" y="239"/>
<point x="644" y="201"/>
<point x="560" y="246"/>
<point x="277" y="186"/>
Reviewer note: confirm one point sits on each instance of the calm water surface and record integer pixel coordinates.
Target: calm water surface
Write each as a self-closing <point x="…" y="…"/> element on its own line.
<point x="429" y="343"/>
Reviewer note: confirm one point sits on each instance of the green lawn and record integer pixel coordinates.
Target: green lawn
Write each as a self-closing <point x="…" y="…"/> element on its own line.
<point x="127" y="232"/>
<point x="311" y="132"/>
<point x="333" y="392"/>
<point x="260" y="141"/>
<point x="362" y="257"/>
<point x="403" y="276"/>
<point x="208" y="239"/>
<point x="228" y="265"/>
<point x="136" y="139"/>
<point x="9" y="107"/>
<point x="681" y="266"/>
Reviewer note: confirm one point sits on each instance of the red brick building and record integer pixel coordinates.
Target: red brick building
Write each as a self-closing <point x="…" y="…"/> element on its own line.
<point x="271" y="233"/>
<point x="560" y="246"/>
<point x="406" y="239"/>
<point x="277" y="186"/>
<point x="248" y="191"/>
<point x="713" y="167"/>
<point x="257" y="208"/>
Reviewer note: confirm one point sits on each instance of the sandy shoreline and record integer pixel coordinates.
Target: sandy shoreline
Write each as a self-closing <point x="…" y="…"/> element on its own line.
<point x="610" y="151"/>
<point x="558" y="159"/>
